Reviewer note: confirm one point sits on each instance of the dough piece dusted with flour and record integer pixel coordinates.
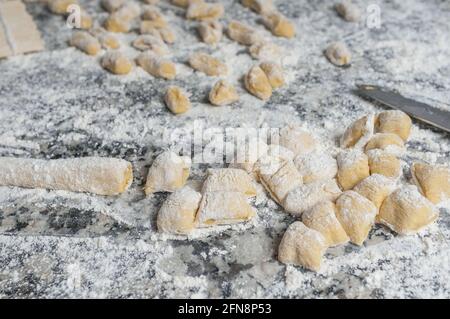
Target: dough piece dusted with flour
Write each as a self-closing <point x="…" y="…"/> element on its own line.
<point x="316" y="166"/>
<point x="168" y="35"/>
<point x="177" y="100"/>
<point x="199" y="10"/>
<point x="274" y="73"/>
<point x="390" y="143"/>
<point x="107" y="40"/>
<point x="395" y="122"/>
<point x="243" y="33"/>
<point x="338" y="54"/>
<point x="304" y="197"/>
<point x="302" y="246"/>
<point x="406" y="211"/>
<point x="265" y="51"/>
<point x="210" y="31"/>
<point x="184" y="3"/>
<point x="359" y="133"/>
<point x="281" y="152"/>
<point x="207" y="64"/>
<point x="111" y="5"/>
<point x="85" y="42"/>
<point x="247" y="154"/>
<point x="156" y="65"/>
<point x="356" y="215"/>
<point x="97" y="175"/>
<point x="229" y="180"/>
<point x="223" y="93"/>
<point x="353" y="167"/>
<point x="150" y="42"/>
<point x="259" y="6"/>
<point x="152" y="15"/>
<point x="177" y="213"/>
<point x="85" y="20"/>
<point x="279" y="177"/>
<point x="348" y="11"/>
<point x="375" y="188"/>
<point x="297" y="140"/>
<point x="322" y="217"/>
<point x="433" y="181"/>
<point x="121" y="20"/>
<point x="168" y="173"/>
<point x="60" y="6"/>
<point x="116" y="62"/>
<point x="217" y="208"/>
<point x="383" y="163"/>
<point x="257" y="83"/>
<point x="278" y="24"/>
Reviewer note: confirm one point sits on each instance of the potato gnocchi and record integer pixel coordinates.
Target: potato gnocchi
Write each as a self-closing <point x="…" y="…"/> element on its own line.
<point x="210" y="31"/>
<point x="316" y="166"/>
<point x="156" y="65"/>
<point x="243" y="33"/>
<point x="274" y="73"/>
<point x="199" y="10"/>
<point x="348" y="11"/>
<point x="278" y="24"/>
<point x="375" y="188"/>
<point x="297" y="140"/>
<point x="433" y="181"/>
<point x="85" y="42"/>
<point x="388" y="142"/>
<point x="257" y="83"/>
<point x="353" y="167"/>
<point x="229" y="180"/>
<point x="359" y="133"/>
<point x="394" y="122"/>
<point x="207" y="64"/>
<point x="116" y="62"/>
<point x="383" y="163"/>
<point x="223" y="93"/>
<point x="177" y="101"/>
<point x="338" y="54"/>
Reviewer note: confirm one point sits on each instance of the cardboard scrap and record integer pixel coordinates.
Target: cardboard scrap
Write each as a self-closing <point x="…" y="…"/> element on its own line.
<point x="18" y="32"/>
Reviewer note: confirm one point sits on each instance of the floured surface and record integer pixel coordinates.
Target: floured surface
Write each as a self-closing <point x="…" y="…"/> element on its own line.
<point x="61" y="103"/>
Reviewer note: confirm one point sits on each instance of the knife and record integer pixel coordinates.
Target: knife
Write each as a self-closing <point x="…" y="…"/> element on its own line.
<point x="421" y="111"/>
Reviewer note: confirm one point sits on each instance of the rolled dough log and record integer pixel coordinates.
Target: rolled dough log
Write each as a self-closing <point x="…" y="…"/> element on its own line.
<point x="98" y="175"/>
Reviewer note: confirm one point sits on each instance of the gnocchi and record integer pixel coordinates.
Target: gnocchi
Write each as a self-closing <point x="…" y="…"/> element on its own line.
<point x="394" y="122"/>
<point x="199" y="10"/>
<point x="210" y="31"/>
<point x="60" y="6"/>
<point x="278" y="24"/>
<point x="168" y="173"/>
<point x="348" y="11"/>
<point x="149" y="42"/>
<point x="359" y="133"/>
<point x="338" y="54"/>
<point x="383" y="163"/>
<point x="85" y="42"/>
<point x="257" y="83"/>
<point x="223" y="93"/>
<point x="375" y="188"/>
<point x="177" y="101"/>
<point x="316" y="166"/>
<point x="243" y="33"/>
<point x="116" y="62"/>
<point x="120" y="20"/>
<point x="107" y="40"/>
<point x="156" y="66"/>
<point x="388" y="142"/>
<point x="356" y="215"/>
<point x="265" y="51"/>
<point x="297" y="140"/>
<point x="353" y="167"/>
<point x="229" y="180"/>
<point x="259" y="6"/>
<point x="112" y="5"/>
<point x="274" y="73"/>
<point x="302" y="246"/>
<point x="207" y="64"/>
<point x="433" y="181"/>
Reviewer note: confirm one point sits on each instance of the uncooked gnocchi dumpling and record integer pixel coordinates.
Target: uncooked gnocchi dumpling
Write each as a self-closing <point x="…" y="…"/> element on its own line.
<point x="302" y="246"/>
<point x="168" y="173"/>
<point x="274" y="73"/>
<point x="210" y="31"/>
<point x="259" y="6"/>
<point x="154" y="16"/>
<point x="200" y="10"/>
<point x="279" y="181"/>
<point x="248" y="153"/>
<point x="322" y="217"/>
<point x="316" y="166"/>
<point x="433" y="181"/>
<point x="375" y="188"/>
<point x="207" y="64"/>
<point x="223" y="93"/>
<point x="281" y="152"/>
<point x="243" y="33"/>
<point x="85" y="42"/>
<point x="395" y="122"/>
<point x="107" y="40"/>
<point x="177" y="100"/>
<point x="229" y="180"/>
<point x="338" y="54"/>
<point x="257" y="83"/>
<point x="353" y="167"/>
<point x="116" y="62"/>
<point x="348" y="11"/>
<point x="406" y="211"/>
<point x="146" y="42"/>
<point x="356" y="215"/>
<point x="278" y="24"/>
<point x="305" y="196"/>
<point x="359" y="133"/>
<point x="265" y="51"/>
<point x="156" y="65"/>
<point x="120" y="20"/>
<point x="177" y="213"/>
<point x="384" y="163"/>
<point x="388" y="142"/>
<point x="218" y="208"/>
<point x="111" y="5"/>
<point x="297" y="140"/>
<point x="60" y="6"/>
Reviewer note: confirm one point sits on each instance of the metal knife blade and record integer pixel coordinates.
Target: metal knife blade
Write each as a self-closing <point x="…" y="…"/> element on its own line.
<point x="421" y="111"/>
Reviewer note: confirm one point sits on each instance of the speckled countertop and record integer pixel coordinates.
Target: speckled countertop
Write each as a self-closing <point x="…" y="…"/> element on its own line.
<point x="60" y="103"/>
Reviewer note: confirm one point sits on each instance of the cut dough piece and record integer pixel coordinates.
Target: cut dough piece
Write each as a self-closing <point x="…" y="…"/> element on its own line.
<point x="200" y="10"/>
<point x="304" y="197"/>
<point x="243" y="33"/>
<point x="297" y="140"/>
<point x="338" y="54"/>
<point x="177" y="100"/>
<point x="167" y="35"/>
<point x="111" y="5"/>
<point x="395" y="122"/>
<point x="152" y="15"/>
<point x="150" y="42"/>
<point x="156" y="66"/>
<point x="375" y="188"/>
<point x="168" y="173"/>
<point x="218" y="208"/>
<point x="356" y="215"/>
<point x="207" y="64"/>
<point x="322" y="217"/>
<point x="381" y="162"/>
<point x="280" y="182"/>
<point x="259" y="6"/>
<point x="406" y="211"/>
<point x="107" y="40"/>
<point x="184" y="3"/>
<point x="229" y="180"/>
<point x="249" y="153"/>
<point x="177" y="213"/>
<point x="302" y="246"/>
<point x="278" y="24"/>
<point x="281" y="152"/>
<point x="316" y="166"/>
<point x="353" y="167"/>
<point x="257" y="83"/>
<point x="210" y="31"/>
<point x="120" y="20"/>
<point x="274" y="74"/>
<point x="433" y="181"/>
<point x="85" y="42"/>
<point x="60" y="6"/>
<point x="85" y="20"/>
<point x="359" y="133"/>
<point x="97" y="175"/>
<point x="265" y="51"/>
<point x="223" y="93"/>
<point x="116" y="63"/>
<point x="390" y="143"/>
<point x="348" y="11"/>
